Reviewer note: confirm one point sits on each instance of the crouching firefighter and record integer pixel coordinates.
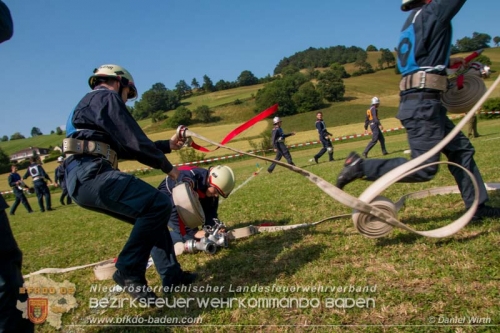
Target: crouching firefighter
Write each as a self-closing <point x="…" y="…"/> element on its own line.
<point x="195" y="200"/>
<point x="99" y="131"/>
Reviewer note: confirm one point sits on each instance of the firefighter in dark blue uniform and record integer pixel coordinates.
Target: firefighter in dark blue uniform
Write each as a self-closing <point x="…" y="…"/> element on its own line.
<point x="99" y="131"/>
<point x="423" y="56"/>
<point x="18" y="186"/>
<point x="208" y="188"/>
<point x="324" y="137"/>
<point x="278" y="142"/>
<point x="373" y="121"/>
<point x="11" y="278"/>
<point x="60" y="181"/>
<point x="38" y="174"/>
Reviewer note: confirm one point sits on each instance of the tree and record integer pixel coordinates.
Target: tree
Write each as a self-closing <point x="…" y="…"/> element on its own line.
<point x="203" y="114"/>
<point x="478" y="41"/>
<point x="5" y="138"/>
<point x="280" y="91"/>
<point x="208" y="85"/>
<point x="483" y="60"/>
<point x="182" y="116"/>
<point x="17" y="136"/>
<point x="247" y="78"/>
<point x="364" y="68"/>
<point x="307" y="98"/>
<point x="35" y="131"/>
<point x="4" y="162"/>
<point x="331" y="86"/>
<point x="290" y="70"/>
<point x="340" y="70"/>
<point x="182" y="89"/>
<point x="156" y="99"/>
<point x="222" y="85"/>
<point x="387" y="57"/>
<point x="195" y="84"/>
<point x="496" y="40"/>
<point x="371" y="48"/>
<point x="59" y="131"/>
<point x="158" y="116"/>
<point x="52" y="132"/>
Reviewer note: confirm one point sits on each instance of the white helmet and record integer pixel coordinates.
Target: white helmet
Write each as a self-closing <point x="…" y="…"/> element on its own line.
<point x="405" y="5"/>
<point x="276" y="120"/>
<point x="375" y="100"/>
<point x="117" y="72"/>
<point x="60" y="159"/>
<point x="222" y="178"/>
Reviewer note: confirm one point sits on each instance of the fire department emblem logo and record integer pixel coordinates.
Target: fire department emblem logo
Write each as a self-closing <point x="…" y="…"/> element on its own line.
<point x="38" y="310"/>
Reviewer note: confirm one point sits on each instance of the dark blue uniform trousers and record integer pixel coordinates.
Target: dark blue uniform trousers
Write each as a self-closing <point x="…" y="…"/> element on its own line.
<point x="426" y="124"/>
<point x="377" y="135"/>
<point x="64" y="194"/>
<point x="93" y="184"/>
<point x="282" y="151"/>
<point x="20" y="198"/>
<point x="326" y="144"/>
<point x="11" y="279"/>
<point x="42" y="190"/>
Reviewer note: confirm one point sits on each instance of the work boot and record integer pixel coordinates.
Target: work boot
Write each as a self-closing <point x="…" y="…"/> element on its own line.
<point x="484" y="211"/>
<point x="316" y="159"/>
<point x="185" y="278"/>
<point x="385" y="153"/>
<point x="137" y="287"/>
<point x="353" y="169"/>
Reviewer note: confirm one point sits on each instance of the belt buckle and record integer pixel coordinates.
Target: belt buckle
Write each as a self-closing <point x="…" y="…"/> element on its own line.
<point x="422" y="80"/>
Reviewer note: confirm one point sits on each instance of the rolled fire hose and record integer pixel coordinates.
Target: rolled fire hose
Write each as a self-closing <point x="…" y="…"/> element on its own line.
<point x="376" y="218"/>
<point x="461" y="100"/>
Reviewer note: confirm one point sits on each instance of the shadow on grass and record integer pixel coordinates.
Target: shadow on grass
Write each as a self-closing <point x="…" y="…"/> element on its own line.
<point x="257" y="261"/>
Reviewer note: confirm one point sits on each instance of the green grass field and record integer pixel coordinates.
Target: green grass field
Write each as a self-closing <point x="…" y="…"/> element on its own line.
<point x="408" y="283"/>
<point x="412" y="280"/>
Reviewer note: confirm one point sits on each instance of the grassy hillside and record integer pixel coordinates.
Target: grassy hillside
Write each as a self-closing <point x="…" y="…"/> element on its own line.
<point x="415" y="279"/>
<point x="342" y="118"/>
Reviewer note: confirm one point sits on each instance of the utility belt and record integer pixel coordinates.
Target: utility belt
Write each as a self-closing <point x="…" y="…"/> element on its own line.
<point x="424" y="80"/>
<point x="77" y="147"/>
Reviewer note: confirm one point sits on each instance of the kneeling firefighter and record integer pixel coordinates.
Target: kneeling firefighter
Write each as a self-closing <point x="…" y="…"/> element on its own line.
<point x="195" y="201"/>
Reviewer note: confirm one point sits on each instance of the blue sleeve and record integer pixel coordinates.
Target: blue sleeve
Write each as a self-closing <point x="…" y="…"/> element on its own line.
<point x="6" y="24"/>
<point x="44" y="174"/>
<point x="446" y="9"/>
<point x="134" y="144"/>
<point x="11" y="183"/>
<point x="27" y="174"/>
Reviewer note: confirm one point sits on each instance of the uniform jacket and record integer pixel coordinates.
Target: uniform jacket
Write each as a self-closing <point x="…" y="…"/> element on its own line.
<point x="198" y="180"/>
<point x="35" y="170"/>
<point x="101" y="115"/>
<point x="277" y="135"/>
<point x="321" y="127"/>
<point x="372" y="117"/>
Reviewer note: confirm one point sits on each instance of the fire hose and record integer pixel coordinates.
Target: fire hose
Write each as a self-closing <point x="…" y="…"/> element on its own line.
<point x="375" y="216"/>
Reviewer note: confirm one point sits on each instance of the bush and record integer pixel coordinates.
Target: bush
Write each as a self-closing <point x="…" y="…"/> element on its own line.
<point x="265" y="141"/>
<point x="190" y="155"/>
<point x="182" y="116"/>
<point x="203" y="114"/>
<point x="492" y="104"/>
